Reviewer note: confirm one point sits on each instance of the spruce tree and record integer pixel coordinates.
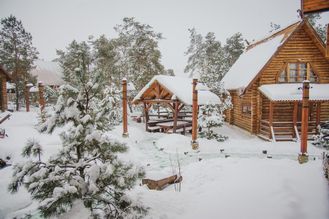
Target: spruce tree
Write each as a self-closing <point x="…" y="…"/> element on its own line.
<point x="139" y="54"/>
<point x="87" y="167"/>
<point x="17" y="53"/>
<point x="77" y="56"/>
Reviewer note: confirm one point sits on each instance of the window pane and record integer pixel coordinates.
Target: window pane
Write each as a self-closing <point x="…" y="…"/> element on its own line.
<point x="312" y="76"/>
<point x="302" y="71"/>
<point x="282" y="77"/>
<point x="293" y="75"/>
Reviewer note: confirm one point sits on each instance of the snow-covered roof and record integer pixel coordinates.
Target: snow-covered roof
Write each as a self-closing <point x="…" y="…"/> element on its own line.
<point x="50" y="73"/>
<point x="251" y="62"/>
<point x="293" y="92"/>
<point x="181" y="88"/>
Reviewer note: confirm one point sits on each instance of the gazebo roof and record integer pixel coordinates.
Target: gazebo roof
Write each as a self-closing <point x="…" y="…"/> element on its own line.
<point x="293" y="92"/>
<point x="163" y="87"/>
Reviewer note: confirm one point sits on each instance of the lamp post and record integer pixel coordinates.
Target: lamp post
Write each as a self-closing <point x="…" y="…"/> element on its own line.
<point x="303" y="157"/>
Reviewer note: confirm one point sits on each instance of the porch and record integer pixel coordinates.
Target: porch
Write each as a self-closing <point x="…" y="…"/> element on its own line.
<point x="281" y="112"/>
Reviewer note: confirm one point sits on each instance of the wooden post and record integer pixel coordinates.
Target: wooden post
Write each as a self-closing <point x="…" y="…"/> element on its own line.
<point x="146" y="113"/>
<point x="327" y="44"/>
<point x="124" y="108"/>
<point x="42" y="101"/>
<point x="294" y="118"/>
<point x="175" y="115"/>
<point x="318" y="114"/>
<point x="27" y="96"/>
<point x="305" y="111"/>
<point x="194" y="142"/>
<point x="270" y="118"/>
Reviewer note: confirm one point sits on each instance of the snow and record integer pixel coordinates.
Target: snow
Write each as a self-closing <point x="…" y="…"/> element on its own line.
<point x="293" y="92"/>
<point x="245" y="185"/>
<point x="50" y="73"/>
<point x="182" y="88"/>
<point x="250" y="63"/>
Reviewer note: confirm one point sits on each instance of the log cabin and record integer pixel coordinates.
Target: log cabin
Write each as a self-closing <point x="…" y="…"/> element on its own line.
<point x="4" y="77"/>
<point x="265" y="83"/>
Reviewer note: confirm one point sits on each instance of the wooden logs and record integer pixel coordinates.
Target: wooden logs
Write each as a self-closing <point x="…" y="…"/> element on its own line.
<point x="162" y="183"/>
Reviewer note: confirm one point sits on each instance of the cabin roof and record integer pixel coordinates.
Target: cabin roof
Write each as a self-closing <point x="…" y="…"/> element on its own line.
<point x="178" y="87"/>
<point x="50" y="73"/>
<point x="256" y="56"/>
<point x="293" y="92"/>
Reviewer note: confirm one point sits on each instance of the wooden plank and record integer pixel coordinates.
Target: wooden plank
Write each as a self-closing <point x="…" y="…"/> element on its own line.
<point x="311" y="6"/>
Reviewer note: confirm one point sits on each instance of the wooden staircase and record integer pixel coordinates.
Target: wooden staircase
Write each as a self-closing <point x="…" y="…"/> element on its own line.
<point x="284" y="131"/>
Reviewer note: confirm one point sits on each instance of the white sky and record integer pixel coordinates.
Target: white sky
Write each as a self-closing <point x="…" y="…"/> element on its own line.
<point x="54" y="24"/>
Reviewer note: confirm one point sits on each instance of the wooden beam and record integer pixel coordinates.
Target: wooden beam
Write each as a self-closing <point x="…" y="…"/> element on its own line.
<point x="124" y="108"/>
<point x="305" y="112"/>
<point x="146" y="113"/>
<point x="194" y="142"/>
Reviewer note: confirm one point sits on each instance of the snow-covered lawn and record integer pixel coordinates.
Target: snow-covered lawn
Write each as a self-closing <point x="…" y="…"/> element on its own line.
<point x="246" y="184"/>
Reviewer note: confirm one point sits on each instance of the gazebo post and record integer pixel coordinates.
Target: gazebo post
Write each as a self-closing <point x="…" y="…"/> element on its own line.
<point x="175" y="115"/>
<point x="303" y="157"/>
<point x="124" y="108"/>
<point x="194" y="142"/>
<point x="27" y="96"/>
<point x="146" y="113"/>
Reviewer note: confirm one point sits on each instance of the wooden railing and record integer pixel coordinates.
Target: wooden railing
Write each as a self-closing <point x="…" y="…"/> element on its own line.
<point x="284" y="130"/>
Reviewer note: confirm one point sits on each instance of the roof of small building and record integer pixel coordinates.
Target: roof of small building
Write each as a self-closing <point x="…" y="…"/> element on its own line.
<point x="50" y="73"/>
<point x="257" y="55"/>
<point x="180" y="88"/>
<point x="294" y="92"/>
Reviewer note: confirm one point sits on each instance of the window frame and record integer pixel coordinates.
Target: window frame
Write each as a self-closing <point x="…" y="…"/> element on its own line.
<point x="246" y="109"/>
<point x="286" y="70"/>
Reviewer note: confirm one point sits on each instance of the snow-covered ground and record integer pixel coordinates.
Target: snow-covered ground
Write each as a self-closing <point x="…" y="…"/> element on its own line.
<point x="246" y="184"/>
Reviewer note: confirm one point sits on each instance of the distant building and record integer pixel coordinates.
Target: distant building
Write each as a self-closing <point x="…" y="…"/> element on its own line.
<point x="50" y="73"/>
<point x="265" y="83"/>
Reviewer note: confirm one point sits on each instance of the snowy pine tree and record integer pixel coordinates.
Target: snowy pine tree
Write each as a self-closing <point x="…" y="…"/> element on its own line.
<point x="209" y="118"/>
<point x="17" y="54"/>
<point x="87" y="167"/>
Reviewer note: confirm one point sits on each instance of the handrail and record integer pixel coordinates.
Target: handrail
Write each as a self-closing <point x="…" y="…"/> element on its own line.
<point x="296" y="133"/>
<point x="272" y="133"/>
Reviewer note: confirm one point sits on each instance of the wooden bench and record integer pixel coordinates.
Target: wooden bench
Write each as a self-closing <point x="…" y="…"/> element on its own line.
<point x="153" y="128"/>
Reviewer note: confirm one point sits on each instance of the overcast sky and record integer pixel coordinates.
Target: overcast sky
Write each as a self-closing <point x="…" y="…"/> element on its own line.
<point x="54" y="24"/>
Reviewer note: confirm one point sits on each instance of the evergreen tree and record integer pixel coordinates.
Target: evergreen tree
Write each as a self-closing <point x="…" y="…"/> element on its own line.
<point x="17" y="53"/>
<point x="87" y="167"/>
<point x="210" y="118"/>
<point x="320" y="29"/>
<point x="138" y="50"/>
<point x="77" y="56"/>
<point x="106" y="59"/>
<point x="233" y="48"/>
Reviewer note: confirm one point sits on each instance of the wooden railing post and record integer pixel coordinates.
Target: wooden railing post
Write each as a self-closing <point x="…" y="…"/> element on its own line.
<point x="124" y="108"/>
<point x="194" y="142"/>
<point x="27" y="96"/>
<point x="42" y="101"/>
<point x="270" y="120"/>
<point x="305" y="111"/>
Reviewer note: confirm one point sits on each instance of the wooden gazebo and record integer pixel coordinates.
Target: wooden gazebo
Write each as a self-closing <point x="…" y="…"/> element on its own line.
<point x="174" y="93"/>
<point x="4" y="77"/>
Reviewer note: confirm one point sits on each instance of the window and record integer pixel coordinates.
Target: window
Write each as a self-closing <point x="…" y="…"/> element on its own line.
<point x="297" y="72"/>
<point x="246" y="109"/>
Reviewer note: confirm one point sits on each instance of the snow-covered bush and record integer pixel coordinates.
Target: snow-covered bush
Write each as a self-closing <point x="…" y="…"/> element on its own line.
<point x="322" y="139"/>
<point x="209" y="118"/>
<point x="87" y="167"/>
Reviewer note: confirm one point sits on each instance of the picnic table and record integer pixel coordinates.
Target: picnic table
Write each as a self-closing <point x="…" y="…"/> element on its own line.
<point x="168" y="127"/>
